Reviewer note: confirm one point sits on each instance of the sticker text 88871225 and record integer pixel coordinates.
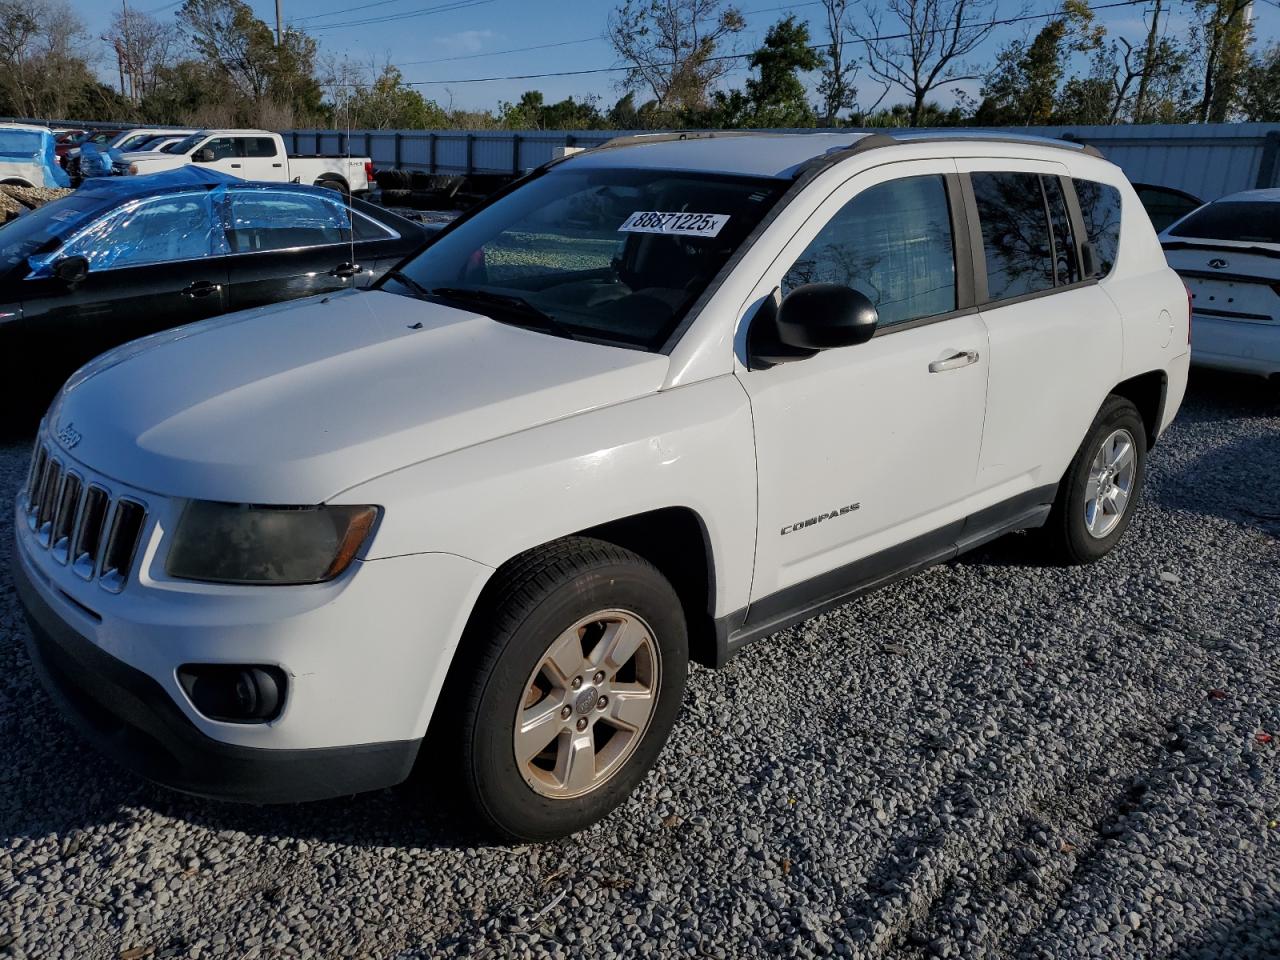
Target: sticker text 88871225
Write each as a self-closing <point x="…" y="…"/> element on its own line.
<point x="675" y="224"/>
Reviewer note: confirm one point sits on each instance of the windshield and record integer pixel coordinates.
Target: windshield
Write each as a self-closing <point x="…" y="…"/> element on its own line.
<point x="606" y="254"/>
<point x="1245" y="221"/>
<point x="44" y="228"/>
<point x="132" y="143"/>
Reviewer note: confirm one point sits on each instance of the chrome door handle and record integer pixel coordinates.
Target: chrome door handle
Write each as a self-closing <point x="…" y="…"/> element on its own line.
<point x="201" y="288"/>
<point x="955" y="362"/>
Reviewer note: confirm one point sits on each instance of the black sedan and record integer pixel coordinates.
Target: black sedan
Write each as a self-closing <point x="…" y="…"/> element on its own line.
<point x="124" y="257"/>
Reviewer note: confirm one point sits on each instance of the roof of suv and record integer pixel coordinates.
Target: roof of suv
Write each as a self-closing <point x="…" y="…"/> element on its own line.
<point x="780" y="155"/>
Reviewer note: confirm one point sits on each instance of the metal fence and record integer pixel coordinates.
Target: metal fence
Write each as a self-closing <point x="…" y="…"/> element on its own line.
<point x="1208" y="160"/>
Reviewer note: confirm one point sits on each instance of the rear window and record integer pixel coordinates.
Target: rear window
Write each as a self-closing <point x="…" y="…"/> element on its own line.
<point x="1248" y="221"/>
<point x="1100" y="208"/>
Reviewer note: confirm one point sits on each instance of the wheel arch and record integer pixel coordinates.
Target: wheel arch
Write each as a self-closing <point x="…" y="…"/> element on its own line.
<point x="326" y="178"/>
<point x="1148" y="392"/>
<point x="677" y="542"/>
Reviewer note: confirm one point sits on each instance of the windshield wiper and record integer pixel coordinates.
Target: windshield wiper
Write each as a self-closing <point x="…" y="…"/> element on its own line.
<point x="409" y="282"/>
<point x="518" y="307"/>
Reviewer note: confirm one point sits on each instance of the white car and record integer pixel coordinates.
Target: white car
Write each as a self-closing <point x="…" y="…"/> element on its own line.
<point x="252" y="155"/>
<point x="1228" y="253"/>
<point x="659" y="400"/>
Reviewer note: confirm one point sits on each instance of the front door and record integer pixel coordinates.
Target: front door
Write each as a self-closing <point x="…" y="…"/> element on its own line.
<point x="153" y="264"/>
<point x="868" y="454"/>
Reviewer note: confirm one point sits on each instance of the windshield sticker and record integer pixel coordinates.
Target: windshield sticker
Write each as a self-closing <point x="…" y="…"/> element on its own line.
<point x="675" y="224"/>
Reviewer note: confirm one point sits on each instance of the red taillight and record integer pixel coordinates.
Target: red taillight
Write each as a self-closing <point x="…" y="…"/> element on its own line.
<point x="1188" y="289"/>
<point x="368" y="172"/>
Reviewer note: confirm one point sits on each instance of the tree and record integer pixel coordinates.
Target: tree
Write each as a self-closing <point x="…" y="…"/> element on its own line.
<point x="836" y="85"/>
<point x="1023" y="88"/>
<point x="777" y="97"/>
<point x="1260" y="96"/>
<point x="921" y="44"/>
<point x="44" y="68"/>
<point x="1225" y="34"/>
<point x="144" y="46"/>
<point x="273" y="84"/>
<point x="532" y="112"/>
<point x="671" y="47"/>
<point x="379" y="99"/>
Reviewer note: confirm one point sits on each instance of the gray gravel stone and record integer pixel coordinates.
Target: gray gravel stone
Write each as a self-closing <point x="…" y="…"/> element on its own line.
<point x="993" y="759"/>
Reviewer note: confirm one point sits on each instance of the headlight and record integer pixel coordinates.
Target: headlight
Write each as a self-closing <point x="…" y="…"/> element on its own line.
<point x="239" y="543"/>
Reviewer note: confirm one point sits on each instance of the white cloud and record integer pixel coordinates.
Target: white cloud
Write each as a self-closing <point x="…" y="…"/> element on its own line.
<point x="466" y="41"/>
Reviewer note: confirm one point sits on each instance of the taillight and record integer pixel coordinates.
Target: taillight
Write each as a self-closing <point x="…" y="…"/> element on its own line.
<point x="368" y="172"/>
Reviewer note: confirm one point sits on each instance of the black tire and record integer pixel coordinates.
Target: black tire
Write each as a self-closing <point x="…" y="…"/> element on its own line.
<point x="1065" y="537"/>
<point x="395" y="198"/>
<point x="337" y="186"/>
<point x="531" y="602"/>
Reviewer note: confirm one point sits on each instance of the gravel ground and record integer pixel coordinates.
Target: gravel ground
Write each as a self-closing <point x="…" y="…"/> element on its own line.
<point x="993" y="759"/>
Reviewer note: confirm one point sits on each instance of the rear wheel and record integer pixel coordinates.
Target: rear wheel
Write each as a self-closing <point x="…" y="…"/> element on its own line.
<point x="1101" y="489"/>
<point x="337" y="186"/>
<point x="581" y="663"/>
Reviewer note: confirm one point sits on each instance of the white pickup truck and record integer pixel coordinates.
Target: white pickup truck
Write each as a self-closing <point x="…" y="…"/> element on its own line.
<point x="253" y="155"/>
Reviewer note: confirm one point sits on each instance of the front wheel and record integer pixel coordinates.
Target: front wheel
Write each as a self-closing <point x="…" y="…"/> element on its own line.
<point x="582" y="657"/>
<point x="1101" y="489"/>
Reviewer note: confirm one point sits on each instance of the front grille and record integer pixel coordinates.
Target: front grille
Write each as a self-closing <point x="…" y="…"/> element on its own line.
<point x="81" y="522"/>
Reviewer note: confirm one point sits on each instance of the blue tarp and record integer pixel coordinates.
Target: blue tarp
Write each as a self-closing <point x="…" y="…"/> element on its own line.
<point x="94" y="163"/>
<point x="191" y="175"/>
<point x="30" y="154"/>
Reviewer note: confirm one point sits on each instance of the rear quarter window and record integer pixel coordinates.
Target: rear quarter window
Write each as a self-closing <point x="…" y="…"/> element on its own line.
<point x="1100" y="209"/>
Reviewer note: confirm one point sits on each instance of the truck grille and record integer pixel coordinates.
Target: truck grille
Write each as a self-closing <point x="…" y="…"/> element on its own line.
<point x="81" y="523"/>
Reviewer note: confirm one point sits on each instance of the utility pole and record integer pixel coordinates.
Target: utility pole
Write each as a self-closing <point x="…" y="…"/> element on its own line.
<point x="1148" y="65"/>
<point x="279" y="22"/>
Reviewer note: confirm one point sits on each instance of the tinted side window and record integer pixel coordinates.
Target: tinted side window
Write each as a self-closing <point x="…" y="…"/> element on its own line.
<point x="156" y="231"/>
<point x="1100" y="208"/>
<point x="259" y="147"/>
<point x="1015" y="233"/>
<point x="276" y="220"/>
<point x="891" y="242"/>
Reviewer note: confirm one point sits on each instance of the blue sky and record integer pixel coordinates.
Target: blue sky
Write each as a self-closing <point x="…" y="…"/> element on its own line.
<point x="466" y="40"/>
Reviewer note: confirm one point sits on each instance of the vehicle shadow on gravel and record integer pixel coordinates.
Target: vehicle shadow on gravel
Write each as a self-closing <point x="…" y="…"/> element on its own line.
<point x="58" y="785"/>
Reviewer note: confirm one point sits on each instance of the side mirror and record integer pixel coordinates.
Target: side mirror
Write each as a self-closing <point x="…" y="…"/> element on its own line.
<point x="816" y="316"/>
<point x="71" y="270"/>
<point x="819" y="316"/>
<point x="204" y="155"/>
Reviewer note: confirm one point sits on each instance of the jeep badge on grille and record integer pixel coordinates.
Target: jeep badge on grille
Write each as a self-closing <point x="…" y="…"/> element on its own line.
<point x="68" y="436"/>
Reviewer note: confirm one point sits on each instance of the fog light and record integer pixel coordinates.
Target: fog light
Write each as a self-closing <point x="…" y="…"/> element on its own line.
<point x="234" y="693"/>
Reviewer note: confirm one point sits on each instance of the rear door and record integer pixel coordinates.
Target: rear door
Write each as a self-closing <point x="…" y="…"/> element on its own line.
<point x="287" y="243"/>
<point x="262" y="159"/>
<point x="1056" y="342"/>
<point x="153" y="264"/>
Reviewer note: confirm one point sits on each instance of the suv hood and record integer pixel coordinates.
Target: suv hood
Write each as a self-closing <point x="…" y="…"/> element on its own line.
<point x="294" y="403"/>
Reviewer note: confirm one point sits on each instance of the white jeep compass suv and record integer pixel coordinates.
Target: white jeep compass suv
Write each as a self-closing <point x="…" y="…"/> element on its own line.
<point x="651" y="403"/>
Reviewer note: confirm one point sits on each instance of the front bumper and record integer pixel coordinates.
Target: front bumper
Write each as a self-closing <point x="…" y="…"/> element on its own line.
<point x="129" y="717"/>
